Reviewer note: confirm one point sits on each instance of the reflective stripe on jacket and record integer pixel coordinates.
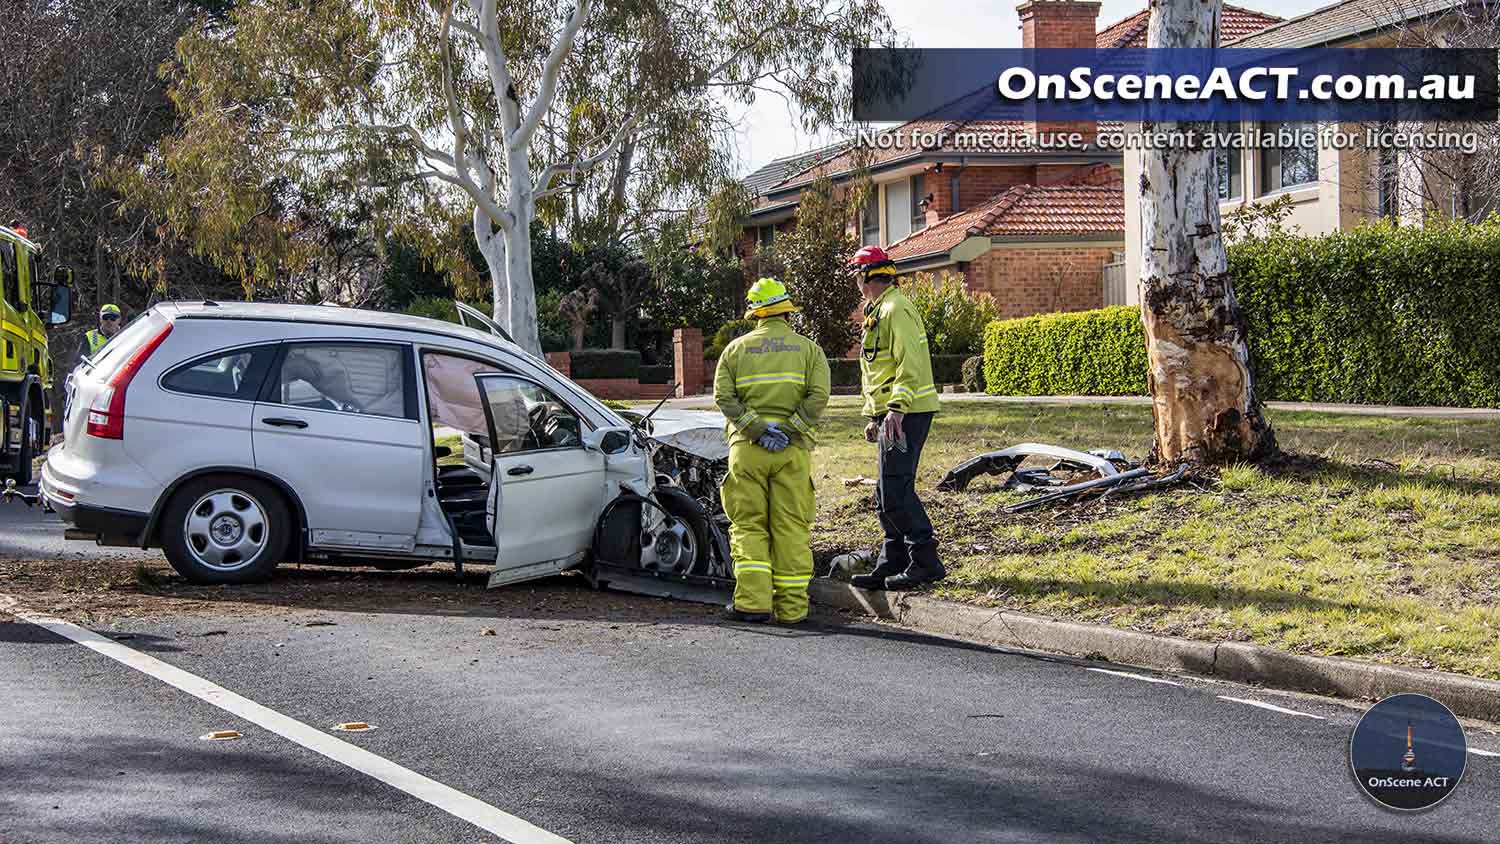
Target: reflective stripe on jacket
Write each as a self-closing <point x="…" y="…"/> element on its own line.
<point x="894" y="366"/>
<point x="772" y="374"/>
<point x="95" y="340"/>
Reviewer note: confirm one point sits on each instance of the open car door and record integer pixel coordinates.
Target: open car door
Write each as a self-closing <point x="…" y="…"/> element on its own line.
<point x="472" y="318"/>
<point x="546" y="489"/>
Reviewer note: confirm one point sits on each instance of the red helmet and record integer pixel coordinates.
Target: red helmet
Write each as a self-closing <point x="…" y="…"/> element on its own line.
<point x="869" y="258"/>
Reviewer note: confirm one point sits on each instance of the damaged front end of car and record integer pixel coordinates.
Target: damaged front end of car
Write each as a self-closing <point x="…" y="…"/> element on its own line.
<point x="671" y="540"/>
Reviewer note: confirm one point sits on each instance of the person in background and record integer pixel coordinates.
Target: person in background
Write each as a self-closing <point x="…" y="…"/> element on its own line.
<point x="96" y="338"/>
<point x="772" y="386"/>
<point x="900" y="401"/>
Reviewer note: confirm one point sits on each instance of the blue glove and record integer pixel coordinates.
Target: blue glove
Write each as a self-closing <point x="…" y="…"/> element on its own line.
<point x="774" y="439"/>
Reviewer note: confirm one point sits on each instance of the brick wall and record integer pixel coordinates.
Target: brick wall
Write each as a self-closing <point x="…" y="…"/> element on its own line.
<point x="977" y="184"/>
<point x="624" y="389"/>
<point x="1026" y="281"/>
<point x="687" y="360"/>
<point x="560" y="361"/>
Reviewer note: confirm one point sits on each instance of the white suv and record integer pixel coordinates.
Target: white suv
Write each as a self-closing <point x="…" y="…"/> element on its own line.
<point x="234" y="436"/>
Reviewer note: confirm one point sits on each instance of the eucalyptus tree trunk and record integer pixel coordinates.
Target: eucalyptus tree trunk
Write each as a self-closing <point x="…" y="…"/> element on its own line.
<point x="1202" y="390"/>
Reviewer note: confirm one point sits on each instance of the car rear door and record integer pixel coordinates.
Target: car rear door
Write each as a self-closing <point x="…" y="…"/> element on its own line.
<point x="546" y="489"/>
<point x="338" y="422"/>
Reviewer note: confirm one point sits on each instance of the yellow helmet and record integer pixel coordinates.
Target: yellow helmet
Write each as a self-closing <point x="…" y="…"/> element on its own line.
<point x="766" y="292"/>
<point x="768" y="297"/>
<point x="109" y="309"/>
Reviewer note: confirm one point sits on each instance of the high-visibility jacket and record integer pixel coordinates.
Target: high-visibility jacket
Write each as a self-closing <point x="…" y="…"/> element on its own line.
<point x="772" y="374"/>
<point x="894" y="367"/>
<point x="95" y="340"/>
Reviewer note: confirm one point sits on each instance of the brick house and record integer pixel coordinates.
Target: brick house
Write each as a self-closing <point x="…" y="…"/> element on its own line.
<point x="1032" y="225"/>
<point x="1332" y="188"/>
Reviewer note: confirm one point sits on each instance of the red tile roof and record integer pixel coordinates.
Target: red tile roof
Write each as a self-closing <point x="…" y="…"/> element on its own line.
<point x="1025" y="211"/>
<point x="1234" y="22"/>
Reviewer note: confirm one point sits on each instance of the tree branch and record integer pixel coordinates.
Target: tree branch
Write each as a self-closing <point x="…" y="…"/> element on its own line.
<point x="626" y="130"/>
<point x="545" y="92"/>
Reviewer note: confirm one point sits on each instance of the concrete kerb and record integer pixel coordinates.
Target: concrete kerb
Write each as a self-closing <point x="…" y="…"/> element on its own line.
<point x="1254" y="664"/>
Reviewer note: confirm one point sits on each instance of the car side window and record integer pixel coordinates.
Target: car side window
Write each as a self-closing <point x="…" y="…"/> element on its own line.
<point x="236" y="374"/>
<point x="347" y="377"/>
<point x="527" y="417"/>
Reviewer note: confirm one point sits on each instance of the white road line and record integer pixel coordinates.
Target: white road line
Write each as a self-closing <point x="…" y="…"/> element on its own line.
<point x="1477" y="752"/>
<point x="1283" y="710"/>
<point x="454" y="802"/>
<point x="1141" y="677"/>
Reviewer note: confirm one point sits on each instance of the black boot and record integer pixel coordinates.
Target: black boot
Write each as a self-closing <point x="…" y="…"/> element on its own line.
<point x="876" y="578"/>
<point x="925" y="568"/>
<point x="737" y="614"/>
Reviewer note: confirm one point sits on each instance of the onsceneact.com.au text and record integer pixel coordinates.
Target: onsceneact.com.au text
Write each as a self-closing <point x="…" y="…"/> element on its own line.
<point x="1253" y="83"/>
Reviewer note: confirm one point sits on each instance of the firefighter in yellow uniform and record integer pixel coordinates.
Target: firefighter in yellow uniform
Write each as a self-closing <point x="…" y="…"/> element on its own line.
<point x="900" y="402"/>
<point x="772" y="386"/>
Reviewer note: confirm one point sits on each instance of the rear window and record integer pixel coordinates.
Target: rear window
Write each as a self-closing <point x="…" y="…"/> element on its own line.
<point x="231" y="374"/>
<point x="128" y="340"/>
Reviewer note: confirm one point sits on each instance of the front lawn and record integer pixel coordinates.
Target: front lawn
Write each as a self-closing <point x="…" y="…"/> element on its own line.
<point x="1381" y="540"/>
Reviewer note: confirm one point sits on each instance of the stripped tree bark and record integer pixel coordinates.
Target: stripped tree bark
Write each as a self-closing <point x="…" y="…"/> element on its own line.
<point x="1202" y="390"/>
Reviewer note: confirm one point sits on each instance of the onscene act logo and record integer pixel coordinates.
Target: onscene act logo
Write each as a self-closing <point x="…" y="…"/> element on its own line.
<point x="1408" y="752"/>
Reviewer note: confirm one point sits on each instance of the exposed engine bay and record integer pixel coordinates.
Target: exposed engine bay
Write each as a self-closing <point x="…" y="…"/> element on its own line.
<point x="675" y="541"/>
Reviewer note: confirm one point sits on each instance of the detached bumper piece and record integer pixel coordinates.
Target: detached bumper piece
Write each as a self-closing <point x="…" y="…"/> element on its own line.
<point x="1112" y="474"/>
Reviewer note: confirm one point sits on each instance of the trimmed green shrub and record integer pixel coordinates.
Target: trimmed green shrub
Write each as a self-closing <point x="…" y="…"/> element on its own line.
<point x="1379" y="314"/>
<point x="606" y="363"/>
<point x="948" y="369"/>
<point x="657" y="374"/>
<point x="1086" y="353"/>
<point x="844" y="372"/>
<point x="973" y="374"/>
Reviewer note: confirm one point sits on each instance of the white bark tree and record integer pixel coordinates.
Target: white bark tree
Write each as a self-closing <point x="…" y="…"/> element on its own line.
<point x="1202" y="389"/>
<point x="425" y="111"/>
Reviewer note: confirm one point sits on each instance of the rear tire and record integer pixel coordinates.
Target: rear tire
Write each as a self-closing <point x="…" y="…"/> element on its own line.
<point x="225" y="529"/>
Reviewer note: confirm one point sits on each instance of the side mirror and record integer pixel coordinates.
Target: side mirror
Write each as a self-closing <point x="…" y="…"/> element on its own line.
<point x="607" y="440"/>
<point x="62" y="304"/>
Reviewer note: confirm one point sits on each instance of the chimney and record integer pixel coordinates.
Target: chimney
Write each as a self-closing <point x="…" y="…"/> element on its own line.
<point x="1057" y="24"/>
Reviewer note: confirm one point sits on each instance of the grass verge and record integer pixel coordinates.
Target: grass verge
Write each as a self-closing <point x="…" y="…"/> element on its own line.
<point x="1379" y="540"/>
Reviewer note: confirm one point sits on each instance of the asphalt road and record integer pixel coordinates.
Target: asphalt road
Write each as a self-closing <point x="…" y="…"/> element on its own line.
<point x="606" y="718"/>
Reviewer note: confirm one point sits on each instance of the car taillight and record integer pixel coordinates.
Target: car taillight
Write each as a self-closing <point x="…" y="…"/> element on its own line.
<point x="107" y="410"/>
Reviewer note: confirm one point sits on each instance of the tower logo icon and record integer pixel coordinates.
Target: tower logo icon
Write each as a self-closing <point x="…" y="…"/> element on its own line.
<point x="1384" y="758"/>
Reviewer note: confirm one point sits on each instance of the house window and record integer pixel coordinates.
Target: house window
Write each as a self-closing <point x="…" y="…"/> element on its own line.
<point x="918" y="210"/>
<point x="1388" y="183"/>
<point x="1229" y="162"/>
<point x="953" y="194"/>
<point x="766" y="235"/>
<point x="897" y="210"/>
<point x="1289" y="166"/>
<point x="869" y="219"/>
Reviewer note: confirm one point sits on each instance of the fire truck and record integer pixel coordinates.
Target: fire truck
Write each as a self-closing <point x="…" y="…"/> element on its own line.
<point x="29" y="308"/>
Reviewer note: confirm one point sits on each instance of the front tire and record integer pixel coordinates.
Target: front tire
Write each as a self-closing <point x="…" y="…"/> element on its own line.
<point x="225" y="529"/>
<point x="686" y="508"/>
<point x="31" y="433"/>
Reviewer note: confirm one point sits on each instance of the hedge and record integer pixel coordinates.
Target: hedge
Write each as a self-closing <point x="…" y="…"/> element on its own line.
<point x="658" y="374"/>
<point x="948" y="369"/>
<point x="844" y="372"/>
<point x="606" y="363"/>
<point x="1378" y="314"/>
<point x="1086" y="353"/>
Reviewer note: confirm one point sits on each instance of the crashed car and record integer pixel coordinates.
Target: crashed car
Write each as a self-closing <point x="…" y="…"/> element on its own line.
<point x="238" y="435"/>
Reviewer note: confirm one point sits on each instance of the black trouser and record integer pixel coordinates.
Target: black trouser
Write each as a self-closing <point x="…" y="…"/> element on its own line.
<point x="908" y="532"/>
